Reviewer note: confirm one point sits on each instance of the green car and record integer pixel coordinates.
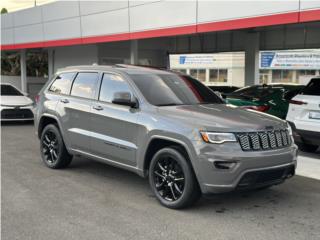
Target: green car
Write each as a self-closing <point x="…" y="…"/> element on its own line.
<point x="272" y="98"/>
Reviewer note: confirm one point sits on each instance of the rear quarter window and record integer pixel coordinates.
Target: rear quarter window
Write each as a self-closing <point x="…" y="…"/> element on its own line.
<point x="62" y="83"/>
<point x="313" y="88"/>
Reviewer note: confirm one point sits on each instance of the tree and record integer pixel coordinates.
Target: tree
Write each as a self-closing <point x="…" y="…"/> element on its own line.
<point x="4" y="10"/>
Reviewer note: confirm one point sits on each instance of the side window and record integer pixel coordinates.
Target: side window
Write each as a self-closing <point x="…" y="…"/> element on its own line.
<point x="62" y="83"/>
<point x="112" y="83"/>
<point x="85" y="85"/>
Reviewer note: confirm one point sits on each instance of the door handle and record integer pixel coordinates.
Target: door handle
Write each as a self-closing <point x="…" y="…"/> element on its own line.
<point x="64" y="100"/>
<point x="98" y="108"/>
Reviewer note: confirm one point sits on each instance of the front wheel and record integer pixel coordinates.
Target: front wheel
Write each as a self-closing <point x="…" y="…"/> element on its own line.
<point x="53" y="151"/>
<point x="172" y="179"/>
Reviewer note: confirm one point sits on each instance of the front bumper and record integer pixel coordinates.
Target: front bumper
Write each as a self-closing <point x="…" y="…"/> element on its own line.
<point x="247" y="169"/>
<point x="16" y="113"/>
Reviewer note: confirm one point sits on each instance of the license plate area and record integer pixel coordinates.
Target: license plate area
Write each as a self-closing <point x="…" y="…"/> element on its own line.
<point x="314" y="115"/>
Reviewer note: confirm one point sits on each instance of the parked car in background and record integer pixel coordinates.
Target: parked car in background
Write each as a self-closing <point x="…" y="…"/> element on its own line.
<point x="161" y="125"/>
<point x="271" y="98"/>
<point x="15" y="106"/>
<point x="304" y="116"/>
<point x="223" y="90"/>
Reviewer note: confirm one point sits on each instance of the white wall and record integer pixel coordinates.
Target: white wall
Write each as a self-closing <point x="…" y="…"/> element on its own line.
<point x="62" y="20"/>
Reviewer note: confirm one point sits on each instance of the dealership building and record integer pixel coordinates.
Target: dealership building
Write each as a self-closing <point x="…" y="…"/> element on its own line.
<point x="286" y="66"/>
<point x="219" y="42"/>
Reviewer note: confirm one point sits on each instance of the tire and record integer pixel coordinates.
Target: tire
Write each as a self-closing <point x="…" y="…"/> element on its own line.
<point x="307" y="147"/>
<point x="172" y="179"/>
<point x="53" y="150"/>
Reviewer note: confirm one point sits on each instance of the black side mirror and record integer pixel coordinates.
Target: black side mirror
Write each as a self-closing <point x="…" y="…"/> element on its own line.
<point x="125" y="98"/>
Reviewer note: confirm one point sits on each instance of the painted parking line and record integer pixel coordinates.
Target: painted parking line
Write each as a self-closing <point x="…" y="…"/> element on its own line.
<point x="309" y="165"/>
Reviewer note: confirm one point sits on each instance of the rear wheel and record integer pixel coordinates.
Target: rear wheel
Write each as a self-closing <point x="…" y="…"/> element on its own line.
<point x="172" y="179"/>
<point x="53" y="151"/>
<point x="307" y="147"/>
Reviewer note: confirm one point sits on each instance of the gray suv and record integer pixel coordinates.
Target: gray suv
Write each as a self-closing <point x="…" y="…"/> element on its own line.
<point x="162" y="125"/>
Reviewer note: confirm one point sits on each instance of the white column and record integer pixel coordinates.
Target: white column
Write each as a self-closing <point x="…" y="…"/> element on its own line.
<point x="252" y="59"/>
<point x="134" y="52"/>
<point x="50" y="63"/>
<point x="23" y="69"/>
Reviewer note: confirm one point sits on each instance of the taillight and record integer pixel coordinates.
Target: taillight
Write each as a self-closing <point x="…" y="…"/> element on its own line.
<point x="262" y="108"/>
<point x="37" y="98"/>
<point x="297" y="102"/>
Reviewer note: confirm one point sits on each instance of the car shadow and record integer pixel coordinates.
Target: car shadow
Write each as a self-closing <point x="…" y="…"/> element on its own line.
<point x="259" y="200"/>
<point x="315" y="155"/>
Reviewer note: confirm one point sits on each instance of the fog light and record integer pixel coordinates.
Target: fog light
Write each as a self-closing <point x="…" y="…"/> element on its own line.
<point x="224" y="164"/>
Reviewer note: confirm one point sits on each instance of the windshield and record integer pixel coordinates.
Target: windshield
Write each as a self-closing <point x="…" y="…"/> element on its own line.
<point x="170" y="90"/>
<point x="7" y="90"/>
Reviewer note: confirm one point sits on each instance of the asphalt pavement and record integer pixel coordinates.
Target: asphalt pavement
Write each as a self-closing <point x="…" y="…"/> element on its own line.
<point x="90" y="200"/>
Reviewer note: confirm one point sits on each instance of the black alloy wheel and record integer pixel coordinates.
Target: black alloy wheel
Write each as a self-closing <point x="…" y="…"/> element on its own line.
<point x="53" y="150"/>
<point x="169" y="178"/>
<point x="172" y="179"/>
<point x="50" y="147"/>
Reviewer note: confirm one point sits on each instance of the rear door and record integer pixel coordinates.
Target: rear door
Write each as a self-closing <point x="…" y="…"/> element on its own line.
<point x="115" y="128"/>
<point x="75" y="110"/>
<point x="304" y="109"/>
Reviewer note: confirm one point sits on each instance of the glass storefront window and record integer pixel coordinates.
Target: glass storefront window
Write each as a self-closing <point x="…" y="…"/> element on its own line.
<point x="194" y="73"/>
<point x="199" y="74"/>
<point x="276" y="75"/>
<point x="287" y="76"/>
<point x="283" y="76"/>
<point x="223" y="75"/>
<point x="218" y="75"/>
<point x="213" y="75"/>
<point x="37" y="64"/>
<point x="202" y="75"/>
<point x="264" y="76"/>
<point x="10" y="63"/>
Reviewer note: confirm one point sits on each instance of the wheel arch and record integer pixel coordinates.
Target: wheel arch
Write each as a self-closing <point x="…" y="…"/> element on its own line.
<point x="45" y="120"/>
<point x="158" y="142"/>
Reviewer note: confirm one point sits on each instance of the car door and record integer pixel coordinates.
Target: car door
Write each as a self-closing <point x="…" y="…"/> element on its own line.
<point x="114" y="126"/>
<point x="75" y="110"/>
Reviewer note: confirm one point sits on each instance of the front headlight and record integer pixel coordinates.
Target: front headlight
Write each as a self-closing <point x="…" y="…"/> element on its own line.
<point x="218" y="138"/>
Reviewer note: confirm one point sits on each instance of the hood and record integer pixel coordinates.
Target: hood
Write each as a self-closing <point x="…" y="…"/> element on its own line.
<point x="221" y="117"/>
<point x="15" y="100"/>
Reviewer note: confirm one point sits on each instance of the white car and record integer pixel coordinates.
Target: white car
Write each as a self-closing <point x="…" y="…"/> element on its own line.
<point x="304" y="116"/>
<point x="15" y="106"/>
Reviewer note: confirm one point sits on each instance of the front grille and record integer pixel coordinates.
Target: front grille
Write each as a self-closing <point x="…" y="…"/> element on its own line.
<point x="16" y="114"/>
<point x="257" y="141"/>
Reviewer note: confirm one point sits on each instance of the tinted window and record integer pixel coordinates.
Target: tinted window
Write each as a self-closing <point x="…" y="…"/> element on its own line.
<point x="169" y="89"/>
<point x="112" y="83"/>
<point x="313" y="88"/>
<point x="84" y="85"/>
<point x="7" y="90"/>
<point x="62" y="83"/>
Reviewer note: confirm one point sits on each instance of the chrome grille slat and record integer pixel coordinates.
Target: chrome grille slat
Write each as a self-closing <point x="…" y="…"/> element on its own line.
<point x="258" y="141"/>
